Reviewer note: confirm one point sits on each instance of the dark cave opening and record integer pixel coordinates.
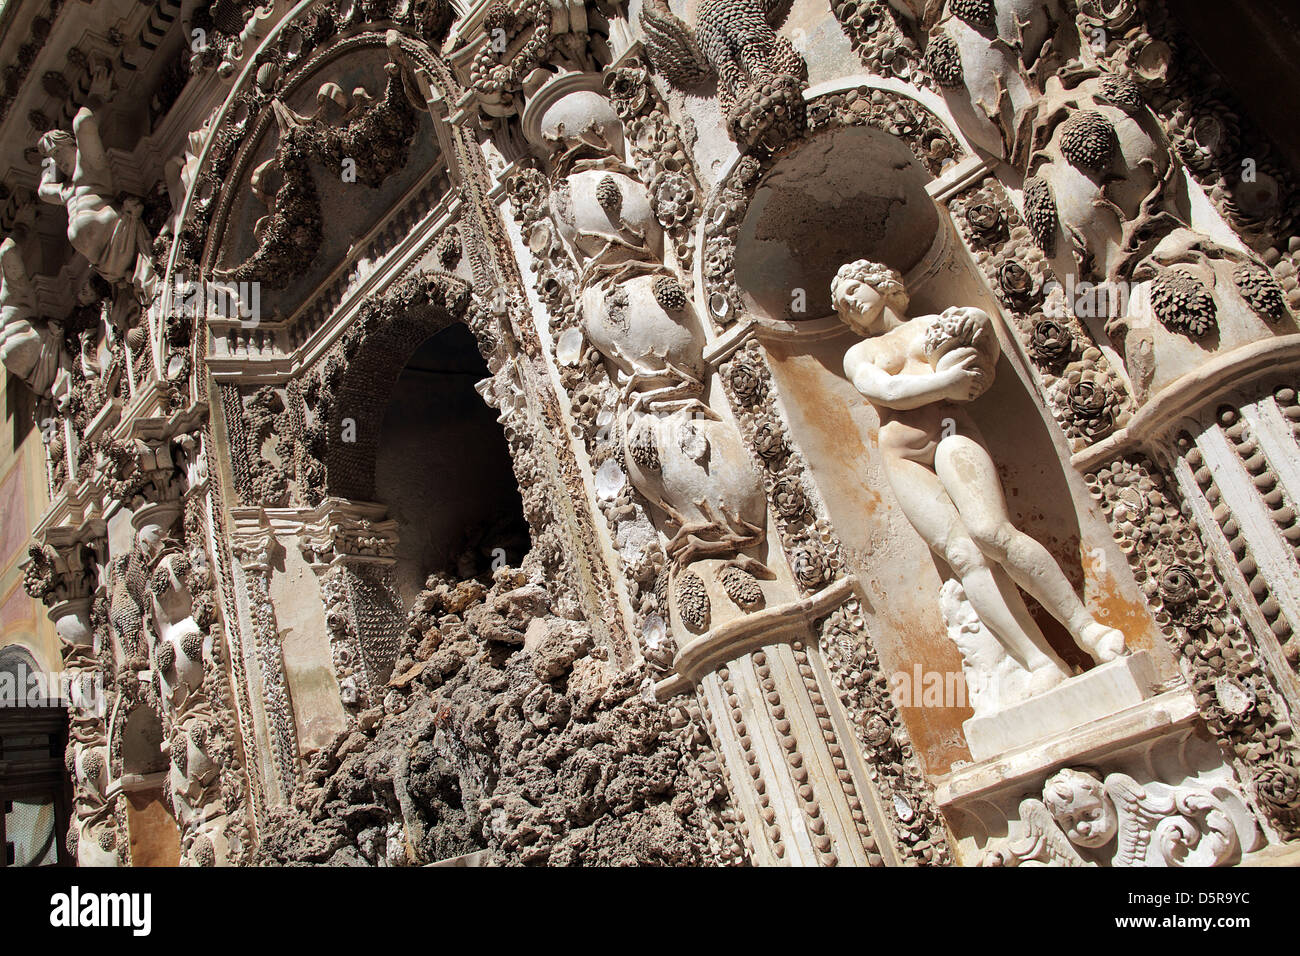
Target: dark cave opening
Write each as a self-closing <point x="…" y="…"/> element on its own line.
<point x="443" y="468"/>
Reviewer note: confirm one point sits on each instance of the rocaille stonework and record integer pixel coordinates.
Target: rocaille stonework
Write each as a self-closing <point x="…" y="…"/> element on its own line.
<point x="715" y="432"/>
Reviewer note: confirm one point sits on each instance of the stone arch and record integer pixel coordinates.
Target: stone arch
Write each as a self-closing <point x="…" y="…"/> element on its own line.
<point x="357" y="378"/>
<point x="316" y="34"/>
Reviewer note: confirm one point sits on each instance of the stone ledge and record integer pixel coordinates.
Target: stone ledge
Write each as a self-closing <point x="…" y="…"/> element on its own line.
<point x="1095" y="695"/>
<point x="1146" y="721"/>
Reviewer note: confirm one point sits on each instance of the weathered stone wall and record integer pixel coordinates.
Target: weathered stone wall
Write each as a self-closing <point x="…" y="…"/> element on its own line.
<point x="717" y="257"/>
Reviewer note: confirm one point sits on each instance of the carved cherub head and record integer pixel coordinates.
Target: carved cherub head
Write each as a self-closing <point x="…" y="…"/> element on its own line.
<point x="60" y="145"/>
<point x="1078" y="803"/>
<point x="863" y="291"/>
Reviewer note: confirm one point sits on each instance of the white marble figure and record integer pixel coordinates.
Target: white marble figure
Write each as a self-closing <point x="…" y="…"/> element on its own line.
<point x="29" y="349"/>
<point x="918" y="373"/>
<point x="76" y="174"/>
<point x="1083" y="820"/>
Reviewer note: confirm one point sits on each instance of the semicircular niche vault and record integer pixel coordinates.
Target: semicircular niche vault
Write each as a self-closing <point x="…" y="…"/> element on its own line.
<point x="852" y="193"/>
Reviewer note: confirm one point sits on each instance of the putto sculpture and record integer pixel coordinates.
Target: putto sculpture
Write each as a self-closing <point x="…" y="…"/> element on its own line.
<point x="918" y="373"/>
<point x="1085" y="820"/>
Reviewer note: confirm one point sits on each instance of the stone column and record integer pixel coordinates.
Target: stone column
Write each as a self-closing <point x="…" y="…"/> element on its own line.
<point x="63" y="573"/>
<point x="352" y="546"/>
<point x="254" y="549"/>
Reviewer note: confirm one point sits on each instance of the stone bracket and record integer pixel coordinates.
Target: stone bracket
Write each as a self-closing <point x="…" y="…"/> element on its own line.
<point x="707" y="652"/>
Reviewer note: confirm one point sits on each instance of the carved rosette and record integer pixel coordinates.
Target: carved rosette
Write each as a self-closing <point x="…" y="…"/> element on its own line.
<point x="662" y="158"/>
<point x="1085" y="396"/>
<point x="1234" y="695"/>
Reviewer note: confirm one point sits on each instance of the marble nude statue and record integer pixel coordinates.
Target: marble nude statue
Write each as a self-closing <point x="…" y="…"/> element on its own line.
<point x="918" y="373"/>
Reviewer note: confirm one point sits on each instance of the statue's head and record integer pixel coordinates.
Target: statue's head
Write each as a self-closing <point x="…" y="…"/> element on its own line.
<point x="59" y="145"/>
<point x="1078" y="803"/>
<point x="863" y="291"/>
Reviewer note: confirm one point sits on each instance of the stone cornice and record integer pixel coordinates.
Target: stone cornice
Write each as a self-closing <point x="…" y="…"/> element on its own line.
<point x="336" y="530"/>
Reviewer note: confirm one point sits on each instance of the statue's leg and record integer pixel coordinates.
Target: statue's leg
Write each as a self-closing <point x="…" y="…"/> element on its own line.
<point x="928" y="507"/>
<point x="971" y="480"/>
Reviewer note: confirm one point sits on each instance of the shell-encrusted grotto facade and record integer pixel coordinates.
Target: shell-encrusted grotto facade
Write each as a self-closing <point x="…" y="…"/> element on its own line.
<point x="683" y="432"/>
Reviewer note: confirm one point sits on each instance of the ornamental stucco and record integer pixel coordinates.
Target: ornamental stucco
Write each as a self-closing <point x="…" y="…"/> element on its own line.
<point x="495" y="434"/>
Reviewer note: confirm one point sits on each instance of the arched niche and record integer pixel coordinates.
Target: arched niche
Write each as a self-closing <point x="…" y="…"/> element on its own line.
<point x="443" y="469"/>
<point x="391" y="453"/>
<point x="885" y="155"/>
<point x="356" y="380"/>
<point x="329" y="154"/>
<point x="267" y="196"/>
<point x="853" y="192"/>
<point x="21" y="675"/>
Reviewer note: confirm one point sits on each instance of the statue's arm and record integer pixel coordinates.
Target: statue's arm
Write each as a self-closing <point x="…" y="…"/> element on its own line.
<point x="91" y="157"/>
<point x="900" y="391"/>
<point x="49" y="189"/>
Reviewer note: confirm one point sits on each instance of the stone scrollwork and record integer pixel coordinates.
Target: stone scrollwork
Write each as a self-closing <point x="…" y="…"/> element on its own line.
<point x="254" y="548"/>
<point x="1085" y="820"/>
<point x="65" y="579"/>
<point x="525" y="39"/>
<point x="627" y="207"/>
<point x="1104" y="195"/>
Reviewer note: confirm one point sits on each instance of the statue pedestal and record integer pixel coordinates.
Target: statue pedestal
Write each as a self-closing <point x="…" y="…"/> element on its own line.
<point x="1101" y="692"/>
